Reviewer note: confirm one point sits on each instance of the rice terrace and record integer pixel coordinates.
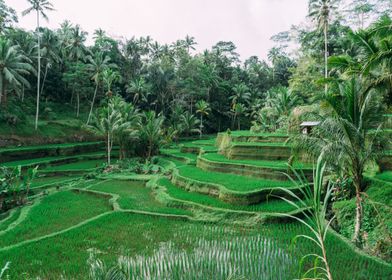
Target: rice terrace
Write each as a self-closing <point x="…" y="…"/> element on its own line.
<point x="122" y="157"/>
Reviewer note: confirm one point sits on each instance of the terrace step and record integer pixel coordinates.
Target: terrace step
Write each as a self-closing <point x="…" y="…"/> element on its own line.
<point x="271" y="170"/>
<point x="258" y="151"/>
<point x="54" y="160"/>
<point x="234" y="189"/>
<point x="179" y="194"/>
<point x="44" y="151"/>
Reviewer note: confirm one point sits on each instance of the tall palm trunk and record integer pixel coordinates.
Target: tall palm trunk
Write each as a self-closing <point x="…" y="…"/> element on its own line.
<point x="23" y="92"/>
<point x="92" y="103"/>
<point x="77" y="104"/>
<point x="108" y="147"/>
<point x="39" y="73"/>
<point x="357" y="181"/>
<point x="326" y="55"/>
<point x="43" y="82"/>
<point x="201" y="125"/>
<point x="2" y="89"/>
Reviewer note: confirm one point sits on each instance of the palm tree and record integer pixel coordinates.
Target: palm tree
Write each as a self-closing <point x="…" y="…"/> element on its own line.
<point x="348" y="136"/>
<point x="241" y="93"/>
<point x="238" y="110"/>
<point x="40" y="7"/>
<point x="203" y="108"/>
<point x="49" y="51"/>
<point x="128" y="127"/>
<point x="106" y="123"/>
<point x="110" y="76"/>
<point x="189" y="43"/>
<point x="151" y="132"/>
<point x="321" y="11"/>
<point x="13" y="65"/>
<point x="139" y="88"/>
<point x="97" y="63"/>
<point x="283" y="100"/>
<point x="188" y="124"/>
<point x="373" y="61"/>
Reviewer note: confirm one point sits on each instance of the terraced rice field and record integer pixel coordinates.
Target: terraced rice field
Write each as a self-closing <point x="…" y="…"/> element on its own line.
<point x="261" y="163"/>
<point x="230" y="181"/>
<point x="163" y="230"/>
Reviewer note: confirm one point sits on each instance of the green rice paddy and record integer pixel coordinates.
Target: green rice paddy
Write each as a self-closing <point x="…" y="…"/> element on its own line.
<point x="230" y="181"/>
<point x="261" y="163"/>
<point x="267" y="206"/>
<point x="54" y="213"/>
<point x="134" y="195"/>
<point x="78" y="165"/>
<point x="53" y="236"/>
<point x="178" y="249"/>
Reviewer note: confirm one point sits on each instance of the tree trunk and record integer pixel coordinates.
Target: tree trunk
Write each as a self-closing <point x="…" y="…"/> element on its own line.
<point x="43" y="82"/>
<point x="201" y="125"/>
<point x="326" y="55"/>
<point x="108" y="147"/>
<point x="2" y="90"/>
<point x="358" y="209"/>
<point x="92" y="104"/>
<point x="77" y="104"/>
<point x="39" y="73"/>
<point x="149" y="150"/>
<point x="23" y="92"/>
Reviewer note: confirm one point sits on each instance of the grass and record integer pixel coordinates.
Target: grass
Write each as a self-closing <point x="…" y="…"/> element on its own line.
<point x="177" y="153"/>
<point x="47" y="160"/>
<point x="203" y="142"/>
<point x="49" y="146"/>
<point x="42" y="181"/>
<point x="183" y="250"/>
<point x="261" y="144"/>
<point x="380" y="192"/>
<point x="230" y="181"/>
<point x="13" y="216"/>
<point x="134" y="195"/>
<point x="262" y="163"/>
<point x="385" y="176"/>
<point x="79" y="165"/>
<point x="266" y="206"/>
<point x="56" y="212"/>
<point x="262" y="134"/>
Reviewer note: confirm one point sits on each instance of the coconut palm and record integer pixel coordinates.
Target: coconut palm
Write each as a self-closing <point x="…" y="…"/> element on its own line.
<point x="40" y="7"/>
<point x="241" y="93"/>
<point x="13" y="66"/>
<point x="202" y="108"/>
<point x="283" y="100"/>
<point x="139" y="88"/>
<point x="373" y="60"/>
<point x="151" y="132"/>
<point x="110" y="76"/>
<point x="188" y="124"/>
<point x="49" y="52"/>
<point x="238" y="110"/>
<point x="128" y="128"/>
<point x="97" y="63"/>
<point x="76" y="40"/>
<point x="106" y="123"/>
<point x="348" y="135"/>
<point x="321" y="11"/>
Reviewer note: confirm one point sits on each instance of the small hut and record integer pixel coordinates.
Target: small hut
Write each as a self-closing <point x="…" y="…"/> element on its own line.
<point x="306" y="127"/>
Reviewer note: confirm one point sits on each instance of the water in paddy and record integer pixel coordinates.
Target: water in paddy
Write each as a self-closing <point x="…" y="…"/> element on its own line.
<point x="252" y="257"/>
